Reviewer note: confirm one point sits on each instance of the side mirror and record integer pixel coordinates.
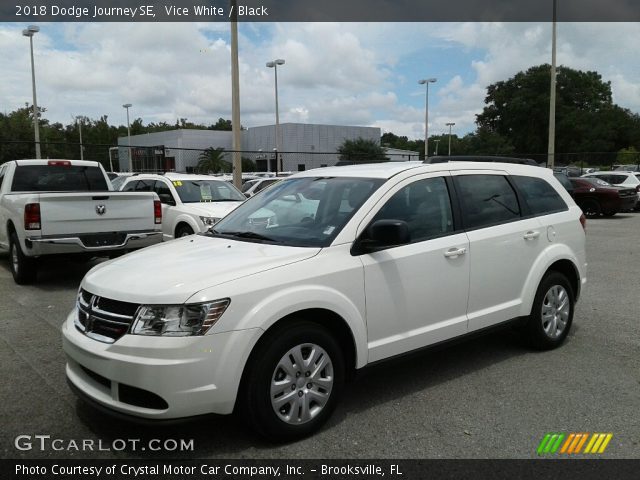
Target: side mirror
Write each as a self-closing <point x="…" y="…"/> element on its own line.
<point x="248" y="195"/>
<point x="167" y="199"/>
<point x="383" y="234"/>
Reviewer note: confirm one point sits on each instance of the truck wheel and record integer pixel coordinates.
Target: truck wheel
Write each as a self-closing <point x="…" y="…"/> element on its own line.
<point x="183" y="231"/>
<point x="23" y="268"/>
<point x="292" y="383"/>
<point x="552" y="312"/>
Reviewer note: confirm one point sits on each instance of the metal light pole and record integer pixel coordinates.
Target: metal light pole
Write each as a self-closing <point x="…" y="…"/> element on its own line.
<point x="437" y="142"/>
<point x="236" y="126"/>
<point x="551" y="151"/>
<point x="274" y="65"/>
<point x="450" y="124"/>
<point x="80" y="132"/>
<point x="127" y="106"/>
<point x="30" y="31"/>
<point x="426" y="82"/>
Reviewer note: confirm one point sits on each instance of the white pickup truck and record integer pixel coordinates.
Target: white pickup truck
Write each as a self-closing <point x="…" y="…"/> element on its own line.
<point x="52" y="207"/>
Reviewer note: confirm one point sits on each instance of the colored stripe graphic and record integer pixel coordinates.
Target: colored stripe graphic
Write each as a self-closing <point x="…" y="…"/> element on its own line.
<point x="573" y="443"/>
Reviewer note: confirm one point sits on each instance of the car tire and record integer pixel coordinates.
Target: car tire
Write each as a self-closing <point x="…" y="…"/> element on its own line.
<point x="552" y="312"/>
<point x="183" y="231"/>
<point x="23" y="268"/>
<point x="282" y="397"/>
<point x="609" y="213"/>
<point x="591" y="208"/>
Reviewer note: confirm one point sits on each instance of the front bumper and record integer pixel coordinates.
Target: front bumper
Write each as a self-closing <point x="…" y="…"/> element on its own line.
<point x="159" y="377"/>
<point x="35" y="247"/>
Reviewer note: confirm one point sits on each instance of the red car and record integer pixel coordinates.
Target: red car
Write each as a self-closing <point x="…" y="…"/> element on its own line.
<point x="595" y="197"/>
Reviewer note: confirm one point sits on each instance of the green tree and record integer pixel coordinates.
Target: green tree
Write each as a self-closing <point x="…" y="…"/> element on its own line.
<point x="361" y="150"/>
<point x="628" y="156"/>
<point x="212" y="161"/>
<point x="586" y="118"/>
<point x="248" y="165"/>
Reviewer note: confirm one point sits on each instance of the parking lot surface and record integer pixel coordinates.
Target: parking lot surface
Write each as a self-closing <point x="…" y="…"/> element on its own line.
<point x="489" y="397"/>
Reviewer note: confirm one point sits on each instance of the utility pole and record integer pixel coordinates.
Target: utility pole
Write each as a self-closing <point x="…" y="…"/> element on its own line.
<point x="551" y="152"/>
<point x="235" y="99"/>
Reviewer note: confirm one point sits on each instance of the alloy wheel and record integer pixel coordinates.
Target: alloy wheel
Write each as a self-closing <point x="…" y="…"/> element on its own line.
<point x="301" y="384"/>
<point x="556" y="308"/>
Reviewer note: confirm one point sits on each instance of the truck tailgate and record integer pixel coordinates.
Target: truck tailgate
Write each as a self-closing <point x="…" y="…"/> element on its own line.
<point x="94" y="212"/>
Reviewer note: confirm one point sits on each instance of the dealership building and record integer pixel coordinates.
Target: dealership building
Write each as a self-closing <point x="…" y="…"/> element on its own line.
<point x="302" y="146"/>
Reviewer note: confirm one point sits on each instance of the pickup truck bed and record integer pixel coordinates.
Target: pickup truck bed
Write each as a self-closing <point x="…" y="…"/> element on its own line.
<point x="42" y="212"/>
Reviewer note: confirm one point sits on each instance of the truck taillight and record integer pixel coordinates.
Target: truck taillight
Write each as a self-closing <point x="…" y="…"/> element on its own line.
<point x="583" y="222"/>
<point x="59" y="163"/>
<point x="157" y="211"/>
<point x="32" y="216"/>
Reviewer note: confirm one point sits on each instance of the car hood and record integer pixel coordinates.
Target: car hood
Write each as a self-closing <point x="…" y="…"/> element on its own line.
<point x="210" y="209"/>
<point x="174" y="271"/>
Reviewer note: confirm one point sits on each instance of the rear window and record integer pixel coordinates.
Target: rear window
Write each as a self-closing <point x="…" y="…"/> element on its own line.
<point x="541" y="197"/>
<point x="56" y="178"/>
<point x="612" y="179"/>
<point x="487" y="200"/>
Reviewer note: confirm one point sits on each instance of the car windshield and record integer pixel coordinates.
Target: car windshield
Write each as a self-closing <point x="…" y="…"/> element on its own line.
<point x="302" y="212"/>
<point x="196" y="191"/>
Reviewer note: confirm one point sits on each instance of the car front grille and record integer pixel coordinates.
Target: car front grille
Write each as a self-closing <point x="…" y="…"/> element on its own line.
<point x="103" y="319"/>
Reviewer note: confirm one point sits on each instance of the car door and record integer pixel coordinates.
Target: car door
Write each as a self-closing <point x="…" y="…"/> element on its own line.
<point x="416" y="294"/>
<point x="169" y="212"/>
<point x="503" y="245"/>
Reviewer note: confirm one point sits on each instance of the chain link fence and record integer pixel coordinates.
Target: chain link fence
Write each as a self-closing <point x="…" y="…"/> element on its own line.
<point x="161" y="158"/>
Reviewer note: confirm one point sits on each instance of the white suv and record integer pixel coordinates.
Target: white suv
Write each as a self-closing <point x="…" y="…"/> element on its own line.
<point x="269" y="318"/>
<point x="190" y="203"/>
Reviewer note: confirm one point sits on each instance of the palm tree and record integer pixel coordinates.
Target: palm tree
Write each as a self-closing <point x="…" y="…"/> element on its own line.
<point x="212" y="160"/>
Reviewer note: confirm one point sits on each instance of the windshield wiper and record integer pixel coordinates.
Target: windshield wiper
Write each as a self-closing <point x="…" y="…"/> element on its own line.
<point x="246" y="234"/>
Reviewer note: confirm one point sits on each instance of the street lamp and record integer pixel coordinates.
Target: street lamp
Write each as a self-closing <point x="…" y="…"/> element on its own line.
<point x="30" y="31"/>
<point x="274" y="64"/>
<point x="127" y="105"/>
<point x="450" y="124"/>
<point x="426" y="82"/>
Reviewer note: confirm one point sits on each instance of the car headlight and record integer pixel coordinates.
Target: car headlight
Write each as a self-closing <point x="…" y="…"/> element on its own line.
<point x="209" y="221"/>
<point x="178" y="320"/>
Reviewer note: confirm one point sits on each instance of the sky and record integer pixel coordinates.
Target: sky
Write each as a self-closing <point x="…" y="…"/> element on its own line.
<point x="335" y="73"/>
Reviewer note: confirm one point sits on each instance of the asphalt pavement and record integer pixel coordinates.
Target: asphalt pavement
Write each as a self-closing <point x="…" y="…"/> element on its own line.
<point x="489" y="397"/>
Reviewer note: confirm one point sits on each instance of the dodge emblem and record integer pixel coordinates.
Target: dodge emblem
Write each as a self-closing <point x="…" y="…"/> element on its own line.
<point x="101" y="209"/>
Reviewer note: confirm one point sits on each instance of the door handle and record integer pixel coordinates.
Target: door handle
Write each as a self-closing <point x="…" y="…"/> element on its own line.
<point x="455" y="252"/>
<point x="531" y="235"/>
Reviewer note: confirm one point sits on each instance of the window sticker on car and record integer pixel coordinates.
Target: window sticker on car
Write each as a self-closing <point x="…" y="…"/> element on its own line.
<point x="177" y="183"/>
<point x="205" y="192"/>
<point x="329" y="230"/>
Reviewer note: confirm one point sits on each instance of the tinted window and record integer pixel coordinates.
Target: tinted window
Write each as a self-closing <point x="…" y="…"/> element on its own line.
<point x="541" y="197"/>
<point x="247" y="185"/>
<point x="613" y="179"/>
<point x="144" y="186"/>
<point x="130" y="186"/>
<point x="487" y="200"/>
<point x="265" y="184"/>
<point x="196" y="191"/>
<point x="161" y="188"/>
<point x="116" y="183"/>
<point x="54" y="178"/>
<point x="424" y="205"/>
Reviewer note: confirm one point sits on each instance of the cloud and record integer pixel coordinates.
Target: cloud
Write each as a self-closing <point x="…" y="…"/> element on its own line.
<point x="336" y="73"/>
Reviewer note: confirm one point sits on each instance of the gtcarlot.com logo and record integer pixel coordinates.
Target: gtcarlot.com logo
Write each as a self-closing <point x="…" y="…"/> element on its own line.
<point x="574" y="443"/>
